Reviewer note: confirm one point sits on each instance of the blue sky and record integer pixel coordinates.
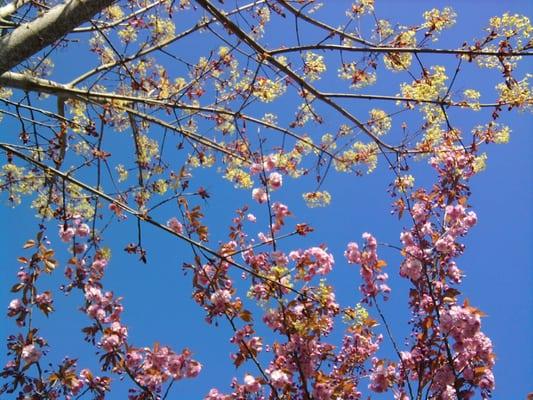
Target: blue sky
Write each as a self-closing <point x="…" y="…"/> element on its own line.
<point x="497" y="262"/>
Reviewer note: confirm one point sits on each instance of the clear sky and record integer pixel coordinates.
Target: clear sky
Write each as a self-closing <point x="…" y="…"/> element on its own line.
<point x="157" y="296"/>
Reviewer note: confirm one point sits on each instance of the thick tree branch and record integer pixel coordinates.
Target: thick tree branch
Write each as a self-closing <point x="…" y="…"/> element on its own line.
<point x="102" y="26"/>
<point x="10" y="8"/>
<point x="30" y="38"/>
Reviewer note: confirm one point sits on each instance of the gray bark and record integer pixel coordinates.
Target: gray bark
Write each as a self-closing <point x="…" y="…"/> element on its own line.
<point x="10" y="8"/>
<point x="30" y="38"/>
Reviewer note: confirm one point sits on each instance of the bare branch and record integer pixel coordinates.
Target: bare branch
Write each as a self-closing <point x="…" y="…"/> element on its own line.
<point x="159" y="46"/>
<point x="384" y="49"/>
<point x="263" y="53"/>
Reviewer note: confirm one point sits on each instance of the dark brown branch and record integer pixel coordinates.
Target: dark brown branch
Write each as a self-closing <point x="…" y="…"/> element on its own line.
<point x="330" y="29"/>
<point x="159" y="46"/>
<point x="414" y="50"/>
<point x="266" y="56"/>
<point x="140" y="216"/>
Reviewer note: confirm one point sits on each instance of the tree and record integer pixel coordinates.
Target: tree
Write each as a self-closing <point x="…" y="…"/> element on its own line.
<point x="152" y="117"/>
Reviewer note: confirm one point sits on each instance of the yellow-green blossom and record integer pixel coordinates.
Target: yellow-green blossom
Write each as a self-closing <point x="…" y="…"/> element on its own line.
<point x="438" y="20"/>
<point x="314" y="66"/>
<point x="380" y="122"/>
<point x="317" y="199"/>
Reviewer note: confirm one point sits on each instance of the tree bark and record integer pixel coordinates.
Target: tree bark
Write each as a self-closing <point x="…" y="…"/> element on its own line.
<point x="30" y="38"/>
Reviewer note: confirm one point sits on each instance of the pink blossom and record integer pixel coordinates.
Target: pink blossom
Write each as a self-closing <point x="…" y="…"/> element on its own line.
<point x="270" y="162"/>
<point x="352" y="253"/>
<point x="443" y="377"/>
<point x="407" y="239"/>
<point x="384" y="288"/>
<point x="373" y="278"/>
<point x="263" y="238"/>
<point x="279" y="378"/>
<point x="110" y="342"/>
<point x="67" y="234"/>
<point x="85" y="374"/>
<point x="471" y="219"/>
<point x="426" y="229"/>
<point x="369" y="256"/>
<point x="30" y="354"/>
<point x="23" y="276"/>
<point x="280" y="258"/>
<point x="453" y="213"/>
<point x="119" y="329"/>
<point x="324" y="260"/>
<point x="79" y="248"/>
<point x="96" y="312"/>
<point x="259" y="291"/>
<point x="77" y="384"/>
<point x="419" y="212"/>
<point x="214" y="394"/>
<point x="280" y="210"/>
<point x="445" y="244"/>
<point x="448" y="393"/>
<point x="259" y="195"/>
<point x="411" y="268"/>
<point x="44" y="298"/>
<point x="252" y="385"/>
<point x="401" y="396"/>
<point x="113" y="337"/>
<point x="193" y="369"/>
<point x="471" y="350"/>
<point x="257" y="261"/>
<point x="251" y="217"/>
<point x="487" y="380"/>
<point x="314" y="260"/>
<point x="175" y="225"/>
<point x="256" y="344"/>
<point x="454" y="273"/>
<point x="381" y="377"/>
<point x="322" y="391"/>
<point x="15" y="306"/>
<point x="220" y="299"/>
<point x="275" y="180"/>
<point x="273" y="319"/>
<point x="205" y="274"/>
<point x="83" y="230"/>
<point x="93" y="293"/>
<point x="133" y="358"/>
<point x="256" y="168"/>
<point x="116" y="209"/>
<point x="98" y="265"/>
<point x="460" y="322"/>
<point x="176" y="364"/>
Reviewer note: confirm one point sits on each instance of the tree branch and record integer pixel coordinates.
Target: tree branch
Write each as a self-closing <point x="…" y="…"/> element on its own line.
<point x="412" y="50"/>
<point x="10" y="8"/>
<point x="30" y="38"/>
<point x="266" y="56"/>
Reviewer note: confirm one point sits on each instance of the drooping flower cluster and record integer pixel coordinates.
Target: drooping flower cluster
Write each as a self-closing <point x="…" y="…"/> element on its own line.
<point x="464" y="358"/>
<point x="23" y="372"/>
<point x="374" y="280"/>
